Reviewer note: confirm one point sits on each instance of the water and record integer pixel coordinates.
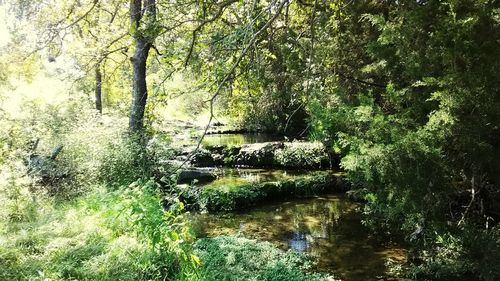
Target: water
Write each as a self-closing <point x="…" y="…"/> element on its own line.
<point x="238" y="139"/>
<point x="328" y="228"/>
<point x="237" y="176"/>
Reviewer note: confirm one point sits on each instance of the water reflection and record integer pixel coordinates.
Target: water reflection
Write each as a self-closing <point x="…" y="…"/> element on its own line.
<point x="328" y="228"/>
<point x="239" y="139"/>
<point x="236" y="176"/>
<point x="299" y="241"/>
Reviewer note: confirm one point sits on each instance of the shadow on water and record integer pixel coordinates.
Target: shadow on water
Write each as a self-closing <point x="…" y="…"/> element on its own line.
<point x="328" y="228"/>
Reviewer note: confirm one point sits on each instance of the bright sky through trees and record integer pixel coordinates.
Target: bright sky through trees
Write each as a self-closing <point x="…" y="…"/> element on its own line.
<point x="4" y="32"/>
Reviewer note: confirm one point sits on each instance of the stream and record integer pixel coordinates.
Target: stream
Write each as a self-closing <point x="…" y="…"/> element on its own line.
<point x="238" y="139"/>
<point x="233" y="176"/>
<point x="328" y="228"/>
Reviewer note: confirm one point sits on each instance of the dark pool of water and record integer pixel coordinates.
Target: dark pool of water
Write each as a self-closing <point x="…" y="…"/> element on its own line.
<point x="328" y="228"/>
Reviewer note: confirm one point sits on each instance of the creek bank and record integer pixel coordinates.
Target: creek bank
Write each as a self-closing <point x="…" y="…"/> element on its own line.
<point x="238" y="258"/>
<point x="234" y="197"/>
<point x="278" y="154"/>
<point x="215" y="186"/>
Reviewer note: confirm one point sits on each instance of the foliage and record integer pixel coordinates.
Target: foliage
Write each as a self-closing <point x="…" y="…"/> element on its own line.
<point x="412" y="113"/>
<point x="236" y="258"/>
<point x="405" y="91"/>
<point x="83" y="226"/>
<point x="268" y="90"/>
<point x="241" y="196"/>
<point x="300" y="155"/>
<point x="100" y="236"/>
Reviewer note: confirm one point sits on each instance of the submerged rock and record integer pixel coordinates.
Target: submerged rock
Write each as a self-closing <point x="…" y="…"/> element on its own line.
<point x="200" y="175"/>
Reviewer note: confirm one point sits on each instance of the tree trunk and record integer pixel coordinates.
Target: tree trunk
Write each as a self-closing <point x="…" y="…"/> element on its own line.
<point x="139" y="87"/>
<point x="142" y="46"/>
<point x="98" y="89"/>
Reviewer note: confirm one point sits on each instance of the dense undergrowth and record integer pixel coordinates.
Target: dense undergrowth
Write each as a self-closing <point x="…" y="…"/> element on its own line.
<point x="85" y="214"/>
<point x="120" y="235"/>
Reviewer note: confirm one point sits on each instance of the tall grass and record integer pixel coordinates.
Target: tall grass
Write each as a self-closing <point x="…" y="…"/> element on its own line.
<point x="103" y="219"/>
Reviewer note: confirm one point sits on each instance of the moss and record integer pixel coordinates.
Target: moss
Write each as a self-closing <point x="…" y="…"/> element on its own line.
<point x="293" y="155"/>
<point x="240" y="196"/>
<point x="236" y="258"/>
<point x="301" y="155"/>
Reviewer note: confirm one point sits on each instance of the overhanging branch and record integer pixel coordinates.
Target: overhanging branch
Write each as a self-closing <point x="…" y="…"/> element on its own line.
<point x="228" y="75"/>
<point x="202" y="24"/>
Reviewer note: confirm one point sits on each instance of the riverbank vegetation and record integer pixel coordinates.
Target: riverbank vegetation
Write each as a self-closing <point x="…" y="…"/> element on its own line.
<point x="232" y="196"/>
<point x="104" y="104"/>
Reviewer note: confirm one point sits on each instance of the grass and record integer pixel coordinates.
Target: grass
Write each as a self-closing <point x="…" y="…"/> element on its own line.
<point x="94" y="237"/>
<point x="236" y="258"/>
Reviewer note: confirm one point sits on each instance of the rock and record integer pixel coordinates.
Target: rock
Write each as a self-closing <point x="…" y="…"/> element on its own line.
<point x="257" y="154"/>
<point x="216" y="149"/>
<point x="300" y="154"/>
<point x="202" y="158"/>
<point x="218" y="159"/>
<point x="295" y="155"/>
<point x="200" y="175"/>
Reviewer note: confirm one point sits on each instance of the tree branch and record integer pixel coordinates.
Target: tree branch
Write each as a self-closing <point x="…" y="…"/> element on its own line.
<point x="348" y="77"/>
<point x="228" y="75"/>
<point x="202" y="24"/>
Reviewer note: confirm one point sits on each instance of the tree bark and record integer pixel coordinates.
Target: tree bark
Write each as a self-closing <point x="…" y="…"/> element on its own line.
<point x="98" y="88"/>
<point x="139" y="87"/>
<point x="142" y="46"/>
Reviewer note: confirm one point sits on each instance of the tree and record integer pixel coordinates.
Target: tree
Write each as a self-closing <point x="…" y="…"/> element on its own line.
<point x="410" y="108"/>
<point x="144" y="31"/>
